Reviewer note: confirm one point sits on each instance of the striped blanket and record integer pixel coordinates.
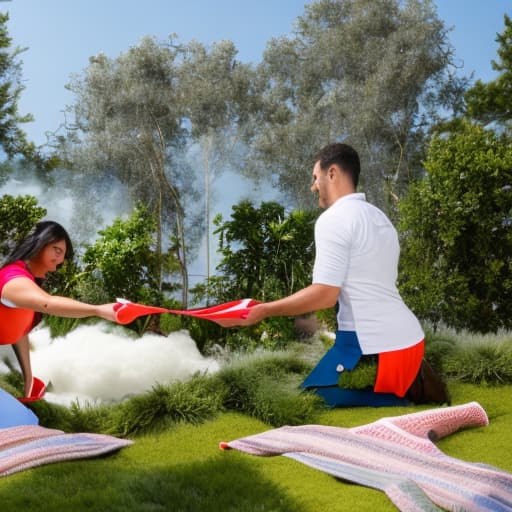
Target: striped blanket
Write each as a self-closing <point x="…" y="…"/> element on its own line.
<point x="26" y="446"/>
<point x="397" y="456"/>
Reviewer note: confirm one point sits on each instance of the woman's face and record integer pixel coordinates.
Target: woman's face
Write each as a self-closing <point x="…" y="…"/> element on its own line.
<point x="48" y="259"/>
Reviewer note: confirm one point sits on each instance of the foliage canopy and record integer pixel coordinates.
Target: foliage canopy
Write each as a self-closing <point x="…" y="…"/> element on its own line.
<point x="371" y="73"/>
<point x="17" y="217"/>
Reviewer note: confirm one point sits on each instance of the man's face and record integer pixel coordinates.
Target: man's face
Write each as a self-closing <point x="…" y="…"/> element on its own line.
<point x="320" y="185"/>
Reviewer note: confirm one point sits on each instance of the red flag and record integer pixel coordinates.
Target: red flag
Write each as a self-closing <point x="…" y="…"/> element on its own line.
<point x="127" y="311"/>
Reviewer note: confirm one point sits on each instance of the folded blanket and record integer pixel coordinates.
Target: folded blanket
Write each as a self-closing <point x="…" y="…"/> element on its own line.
<point x="27" y="446"/>
<point x="397" y="456"/>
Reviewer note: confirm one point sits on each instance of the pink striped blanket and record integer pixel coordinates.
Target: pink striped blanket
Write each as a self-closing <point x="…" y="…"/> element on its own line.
<point x="397" y="456"/>
<point x="27" y="446"/>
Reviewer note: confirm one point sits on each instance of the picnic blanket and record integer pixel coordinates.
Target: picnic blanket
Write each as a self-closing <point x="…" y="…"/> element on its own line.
<point x="26" y="446"/>
<point x="397" y="456"/>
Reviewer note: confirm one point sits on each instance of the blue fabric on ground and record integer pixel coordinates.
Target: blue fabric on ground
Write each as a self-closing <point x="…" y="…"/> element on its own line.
<point x="335" y="396"/>
<point x="345" y="351"/>
<point x="13" y="413"/>
<point x="323" y="380"/>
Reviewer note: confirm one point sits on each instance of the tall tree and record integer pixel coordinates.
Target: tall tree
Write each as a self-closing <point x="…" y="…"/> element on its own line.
<point x="266" y="253"/>
<point x="13" y="139"/>
<point x="492" y="101"/>
<point x="127" y="126"/>
<point x="218" y="95"/>
<point x="122" y="260"/>
<point x="369" y="72"/>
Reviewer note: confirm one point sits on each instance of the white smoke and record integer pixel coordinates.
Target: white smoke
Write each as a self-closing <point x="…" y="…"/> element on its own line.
<point x="98" y="364"/>
<point x="82" y="211"/>
<point x="58" y="203"/>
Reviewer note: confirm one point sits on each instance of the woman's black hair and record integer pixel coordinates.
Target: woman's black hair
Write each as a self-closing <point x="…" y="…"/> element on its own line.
<point x="44" y="233"/>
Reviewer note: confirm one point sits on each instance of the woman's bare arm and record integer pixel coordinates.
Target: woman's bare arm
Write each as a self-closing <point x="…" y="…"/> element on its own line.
<point x="22" y="350"/>
<point x="24" y="293"/>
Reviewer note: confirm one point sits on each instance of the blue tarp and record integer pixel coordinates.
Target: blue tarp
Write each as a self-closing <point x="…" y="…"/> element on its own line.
<point x="13" y="413"/>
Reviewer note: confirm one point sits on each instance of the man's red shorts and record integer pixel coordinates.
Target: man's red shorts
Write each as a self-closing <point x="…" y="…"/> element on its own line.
<point x="397" y="369"/>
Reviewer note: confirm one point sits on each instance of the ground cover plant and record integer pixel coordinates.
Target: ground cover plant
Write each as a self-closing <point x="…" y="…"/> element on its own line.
<point x="182" y="469"/>
<point x="175" y="462"/>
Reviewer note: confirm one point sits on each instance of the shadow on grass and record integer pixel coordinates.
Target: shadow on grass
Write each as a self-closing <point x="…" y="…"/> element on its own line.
<point x="217" y="484"/>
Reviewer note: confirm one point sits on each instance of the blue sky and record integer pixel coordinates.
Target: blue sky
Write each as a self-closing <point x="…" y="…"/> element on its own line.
<point x="60" y="36"/>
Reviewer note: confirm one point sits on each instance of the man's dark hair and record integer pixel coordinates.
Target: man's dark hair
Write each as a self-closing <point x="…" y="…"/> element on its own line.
<point x="344" y="156"/>
<point x="44" y="233"/>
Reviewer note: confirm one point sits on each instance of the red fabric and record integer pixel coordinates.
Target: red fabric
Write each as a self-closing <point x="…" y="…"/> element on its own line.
<point x="397" y="369"/>
<point x="14" y="322"/>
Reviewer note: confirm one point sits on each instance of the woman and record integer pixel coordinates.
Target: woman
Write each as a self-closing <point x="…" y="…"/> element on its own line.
<point x="22" y="300"/>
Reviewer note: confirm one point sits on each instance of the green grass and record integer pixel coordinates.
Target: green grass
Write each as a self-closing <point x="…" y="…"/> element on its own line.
<point x="181" y="467"/>
<point x="175" y="463"/>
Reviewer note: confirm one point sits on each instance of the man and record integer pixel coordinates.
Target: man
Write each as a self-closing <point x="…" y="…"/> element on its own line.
<point x="356" y="266"/>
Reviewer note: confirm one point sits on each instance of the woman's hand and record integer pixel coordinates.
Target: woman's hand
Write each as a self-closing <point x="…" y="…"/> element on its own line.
<point x="107" y="312"/>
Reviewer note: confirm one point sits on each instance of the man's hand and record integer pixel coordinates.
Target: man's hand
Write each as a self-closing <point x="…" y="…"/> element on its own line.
<point x="256" y="314"/>
<point x="307" y="300"/>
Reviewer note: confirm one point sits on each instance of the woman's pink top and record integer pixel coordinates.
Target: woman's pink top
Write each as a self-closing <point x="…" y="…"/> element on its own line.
<point x="14" y="322"/>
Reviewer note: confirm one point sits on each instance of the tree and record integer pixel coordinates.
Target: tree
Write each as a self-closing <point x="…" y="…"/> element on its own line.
<point x="369" y="72"/>
<point x="127" y="127"/>
<point x="120" y="263"/>
<point x="491" y="102"/>
<point x="123" y="260"/>
<point x="217" y="95"/>
<point x="456" y="226"/>
<point x="12" y="138"/>
<point x="266" y="253"/>
<point x="18" y="215"/>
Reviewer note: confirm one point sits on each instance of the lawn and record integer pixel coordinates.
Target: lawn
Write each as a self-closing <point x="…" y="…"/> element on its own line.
<point x="182" y="468"/>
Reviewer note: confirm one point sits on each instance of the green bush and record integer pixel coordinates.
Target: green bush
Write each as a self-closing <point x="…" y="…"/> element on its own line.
<point x="267" y="254"/>
<point x="264" y="386"/>
<point x="439" y="344"/>
<point x="361" y="377"/>
<point x="123" y="262"/>
<point x="456" y="259"/>
<point x="18" y="215"/>
<point x="470" y="357"/>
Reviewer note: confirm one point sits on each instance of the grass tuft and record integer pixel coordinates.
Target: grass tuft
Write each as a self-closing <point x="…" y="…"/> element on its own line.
<point x="484" y="364"/>
<point x="466" y="357"/>
<point x="194" y="401"/>
<point x="266" y="386"/>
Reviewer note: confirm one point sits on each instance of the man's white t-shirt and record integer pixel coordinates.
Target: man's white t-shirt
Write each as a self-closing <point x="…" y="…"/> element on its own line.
<point x="357" y="249"/>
